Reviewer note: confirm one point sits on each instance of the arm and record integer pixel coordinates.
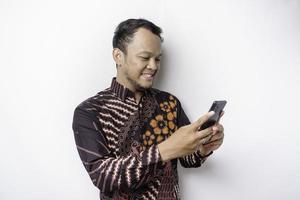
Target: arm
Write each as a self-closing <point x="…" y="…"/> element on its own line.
<point x="108" y="172"/>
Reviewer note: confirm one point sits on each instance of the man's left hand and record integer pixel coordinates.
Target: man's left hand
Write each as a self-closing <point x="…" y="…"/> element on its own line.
<point x="215" y="141"/>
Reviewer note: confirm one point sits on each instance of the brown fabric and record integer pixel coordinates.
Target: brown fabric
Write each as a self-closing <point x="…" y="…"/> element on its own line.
<point x="117" y="142"/>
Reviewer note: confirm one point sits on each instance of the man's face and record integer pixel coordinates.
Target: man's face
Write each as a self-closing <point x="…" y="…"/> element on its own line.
<point x="142" y="60"/>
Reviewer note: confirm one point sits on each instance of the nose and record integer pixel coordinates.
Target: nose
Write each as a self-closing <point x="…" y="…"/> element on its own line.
<point x="153" y="64"/>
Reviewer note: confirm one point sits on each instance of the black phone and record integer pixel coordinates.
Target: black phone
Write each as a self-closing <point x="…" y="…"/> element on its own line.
<point x="217" y="107"/>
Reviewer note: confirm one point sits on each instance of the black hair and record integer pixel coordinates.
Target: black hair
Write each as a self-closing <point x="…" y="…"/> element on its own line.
<point x="126" y="29"/>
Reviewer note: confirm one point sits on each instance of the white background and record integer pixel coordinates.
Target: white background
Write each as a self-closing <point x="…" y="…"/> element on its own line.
<point x="55" y="54"/>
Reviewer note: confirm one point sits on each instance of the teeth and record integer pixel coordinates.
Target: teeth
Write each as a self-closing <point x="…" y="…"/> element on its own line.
<point x="148" y="75"/>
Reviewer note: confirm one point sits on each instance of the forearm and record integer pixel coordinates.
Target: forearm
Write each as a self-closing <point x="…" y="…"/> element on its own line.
<point x="125" y="173"/>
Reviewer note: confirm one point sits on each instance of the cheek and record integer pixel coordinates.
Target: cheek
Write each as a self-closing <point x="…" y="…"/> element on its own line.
<point x="137" y="67"/>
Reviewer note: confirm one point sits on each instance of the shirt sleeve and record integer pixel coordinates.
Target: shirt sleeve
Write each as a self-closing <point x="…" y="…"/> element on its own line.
<point x="110" y="173"/>
<point x="195" y="159"/>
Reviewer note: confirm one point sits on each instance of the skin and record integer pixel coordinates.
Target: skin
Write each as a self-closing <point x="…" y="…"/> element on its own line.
<point x="136" y="70"/>
<point x="138" y="66"/>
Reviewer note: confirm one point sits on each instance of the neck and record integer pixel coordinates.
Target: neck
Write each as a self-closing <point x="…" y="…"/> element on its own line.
<point x="137" y="94"/>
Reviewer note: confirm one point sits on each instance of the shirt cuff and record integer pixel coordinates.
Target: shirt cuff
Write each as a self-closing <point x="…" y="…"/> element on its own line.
<point x="207" y="155"/>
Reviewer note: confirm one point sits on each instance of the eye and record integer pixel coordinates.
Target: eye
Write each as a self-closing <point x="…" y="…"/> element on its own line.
<point x="157" y="59"/>
<point x="144" y="58"/>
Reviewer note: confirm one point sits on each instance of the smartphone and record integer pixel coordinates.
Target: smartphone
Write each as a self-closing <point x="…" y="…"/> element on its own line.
<point x="217" y="107"/>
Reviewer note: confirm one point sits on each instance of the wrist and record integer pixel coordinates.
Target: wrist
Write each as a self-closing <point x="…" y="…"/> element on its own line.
<point x="205" y="154"/>
<point x="165" y="151"/>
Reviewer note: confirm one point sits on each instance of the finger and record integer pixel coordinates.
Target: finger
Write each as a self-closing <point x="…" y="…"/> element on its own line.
<point x="210" y="138"/>
<point x="215" y="137"/>
<point x="211" y="146"/>
<point x="214" y="142"/>
<point x="218" y="128"/>
<point x="204" y="133"/>
<point x="221" y="128"/>
<point x="221" y="115"/>
<point x="217" y="133"/>
<point x="206" y="139"/>
<point x="202" y="120"/>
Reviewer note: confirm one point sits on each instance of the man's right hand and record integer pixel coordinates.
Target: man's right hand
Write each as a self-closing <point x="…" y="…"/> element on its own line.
<point x="185" y="140"/>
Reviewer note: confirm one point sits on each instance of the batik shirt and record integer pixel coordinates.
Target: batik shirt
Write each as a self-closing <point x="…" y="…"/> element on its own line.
<point x="117" y="142"/>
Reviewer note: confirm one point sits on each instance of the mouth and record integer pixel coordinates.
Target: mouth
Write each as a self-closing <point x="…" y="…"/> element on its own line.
<point x="148" y="76"/>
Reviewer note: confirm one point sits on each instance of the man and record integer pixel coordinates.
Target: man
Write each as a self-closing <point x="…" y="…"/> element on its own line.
<point x="130" y="136"/>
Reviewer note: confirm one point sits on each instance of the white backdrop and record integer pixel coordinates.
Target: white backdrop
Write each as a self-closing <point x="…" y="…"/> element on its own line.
<point x="54" y="54"/>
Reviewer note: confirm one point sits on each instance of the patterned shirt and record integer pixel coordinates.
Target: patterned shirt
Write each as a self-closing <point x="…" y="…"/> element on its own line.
<point x="117" y="142"/>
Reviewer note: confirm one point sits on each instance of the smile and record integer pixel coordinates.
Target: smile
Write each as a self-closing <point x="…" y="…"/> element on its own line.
<point x="148" y="76"/>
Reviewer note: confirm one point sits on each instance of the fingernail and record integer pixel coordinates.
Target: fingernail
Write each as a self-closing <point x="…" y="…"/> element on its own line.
<point x="215" y="128"/>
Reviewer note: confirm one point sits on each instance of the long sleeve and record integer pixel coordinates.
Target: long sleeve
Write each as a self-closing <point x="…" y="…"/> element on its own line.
<point x="195" y="159"/>
<point x="108" y="172"/>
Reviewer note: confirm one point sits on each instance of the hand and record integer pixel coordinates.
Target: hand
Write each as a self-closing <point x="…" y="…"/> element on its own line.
<point x="185" y="140"/>
<point x="213" y="142"/>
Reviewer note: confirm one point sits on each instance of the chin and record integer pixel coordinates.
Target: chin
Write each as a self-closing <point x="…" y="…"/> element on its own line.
<point x="146" y="85"/>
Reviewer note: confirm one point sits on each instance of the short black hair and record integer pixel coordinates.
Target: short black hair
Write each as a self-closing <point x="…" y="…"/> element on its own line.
<point x="126" y="29"/>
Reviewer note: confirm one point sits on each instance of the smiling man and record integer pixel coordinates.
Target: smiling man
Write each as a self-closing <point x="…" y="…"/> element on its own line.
<point x="130" y="135"/>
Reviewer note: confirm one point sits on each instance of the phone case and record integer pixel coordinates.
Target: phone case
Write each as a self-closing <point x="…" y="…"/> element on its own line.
<point x="217" y="107"/>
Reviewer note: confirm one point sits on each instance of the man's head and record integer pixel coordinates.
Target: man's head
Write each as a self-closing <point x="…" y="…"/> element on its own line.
<point x="137" y="53"/>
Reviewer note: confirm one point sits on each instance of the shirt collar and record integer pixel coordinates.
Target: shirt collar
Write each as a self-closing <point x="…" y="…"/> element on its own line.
<point x="120" y="90"/>
<point x="123" y="92"/>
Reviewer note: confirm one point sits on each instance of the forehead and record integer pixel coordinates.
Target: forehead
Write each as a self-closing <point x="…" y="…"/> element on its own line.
<point x="144" y="41"/>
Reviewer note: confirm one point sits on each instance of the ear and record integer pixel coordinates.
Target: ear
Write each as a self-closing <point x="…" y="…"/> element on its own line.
<point x="118" y="56"/>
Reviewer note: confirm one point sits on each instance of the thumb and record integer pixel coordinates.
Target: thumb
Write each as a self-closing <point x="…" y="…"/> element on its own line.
<point x="202" y="120"/>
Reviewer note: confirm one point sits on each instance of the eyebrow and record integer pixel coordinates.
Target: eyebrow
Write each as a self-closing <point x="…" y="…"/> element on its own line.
<point x="147" y="52"/>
